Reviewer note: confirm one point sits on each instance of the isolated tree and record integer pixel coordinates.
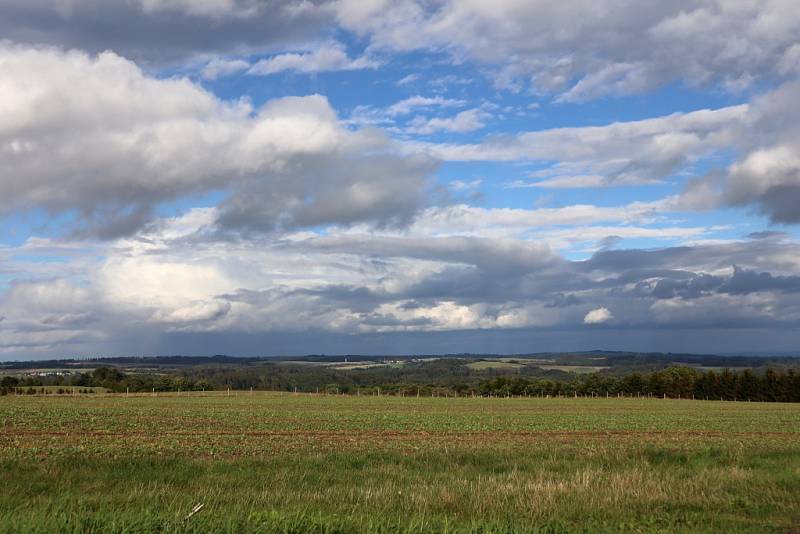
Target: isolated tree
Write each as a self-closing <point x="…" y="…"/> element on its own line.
<point x="8" y="382"/>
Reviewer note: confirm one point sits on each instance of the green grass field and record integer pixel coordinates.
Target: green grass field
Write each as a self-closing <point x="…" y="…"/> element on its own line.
<point x="307" y="463"/>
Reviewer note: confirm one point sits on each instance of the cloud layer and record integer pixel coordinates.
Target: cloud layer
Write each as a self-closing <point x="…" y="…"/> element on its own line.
<point x="174" y="281"/>
<point x="582" y="50"/>
<point x="176" y="172"/>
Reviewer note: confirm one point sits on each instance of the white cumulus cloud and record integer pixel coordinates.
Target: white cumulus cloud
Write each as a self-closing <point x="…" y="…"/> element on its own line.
<point x="325" y="57"/>
<point x="597" y="316"/>
<point x="97" y="137"/>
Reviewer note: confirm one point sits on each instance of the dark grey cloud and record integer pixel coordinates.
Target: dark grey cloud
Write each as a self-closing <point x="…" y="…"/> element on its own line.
<point x="768" y="234"/>
<point x="780" y="202"/>
<point x="492" y="256"/>
<point x="693" y="287"/>
<point x="743" y="282"/>
<point x="393" y="321"/>
<point x="561" y="300"/>
<point x="337" y="296"/>
<point x="164" y="32"/>
<point x="696" y="285"/>
<point x="756" y="254"/>
<point x="384" y="190"/>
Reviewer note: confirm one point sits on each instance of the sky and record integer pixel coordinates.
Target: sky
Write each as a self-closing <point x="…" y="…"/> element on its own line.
<point x="253" y="177"/>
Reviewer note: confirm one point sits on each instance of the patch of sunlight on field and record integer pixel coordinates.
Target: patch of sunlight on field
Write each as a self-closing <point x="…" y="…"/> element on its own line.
<point x="494" y="364"/>
<point x="518" y="363"/>
<point x="577" y="369"/>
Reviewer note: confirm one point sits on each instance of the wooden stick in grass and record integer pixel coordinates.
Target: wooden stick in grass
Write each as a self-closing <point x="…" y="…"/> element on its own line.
<point x="197" y="508"/>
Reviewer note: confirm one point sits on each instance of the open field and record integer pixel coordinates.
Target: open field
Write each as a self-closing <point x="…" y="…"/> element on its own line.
<point x="300" y="463"/>
<point x="506" y="364"/>
<point x="494" y="364"/>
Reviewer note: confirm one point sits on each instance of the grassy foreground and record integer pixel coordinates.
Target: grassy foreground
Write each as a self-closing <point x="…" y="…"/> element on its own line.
<point x="306" y="463"/>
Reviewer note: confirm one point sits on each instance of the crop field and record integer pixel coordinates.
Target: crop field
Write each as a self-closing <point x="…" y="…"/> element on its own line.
<point x="313" y="463"/>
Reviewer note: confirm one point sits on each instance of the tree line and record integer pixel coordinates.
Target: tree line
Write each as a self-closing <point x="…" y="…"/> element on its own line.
<point x="674" y="382"/>
<point x="772" y="385"/>
<point x="109" y="378"/>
